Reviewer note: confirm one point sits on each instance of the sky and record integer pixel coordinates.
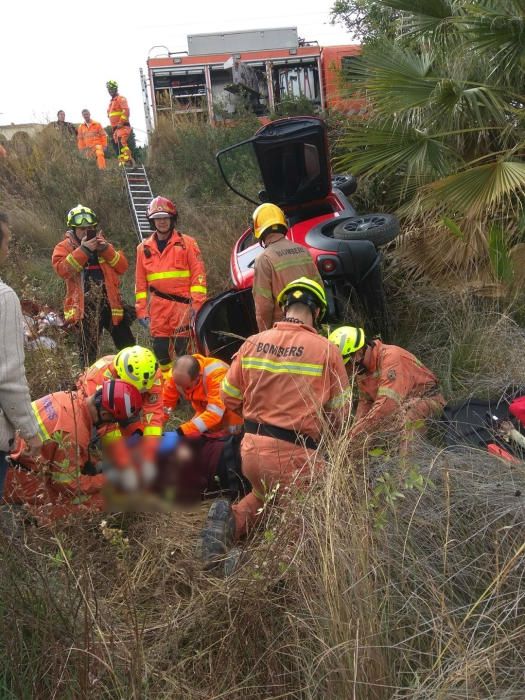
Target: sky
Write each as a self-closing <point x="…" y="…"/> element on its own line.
<point x="58" y="55"/>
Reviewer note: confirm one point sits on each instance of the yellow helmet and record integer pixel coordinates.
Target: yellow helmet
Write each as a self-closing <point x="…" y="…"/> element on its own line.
<point x="268" y="218"/>
<point x="305" y="291"/>
<point x="81" y="216"/>
<point x="136" y="366"/>
<point x="348" y="339"/>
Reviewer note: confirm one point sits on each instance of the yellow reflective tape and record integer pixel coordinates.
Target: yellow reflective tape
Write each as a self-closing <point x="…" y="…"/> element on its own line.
<point x="141" y="295"/>
<point x="41" y="427"/>
<point x="170" y="274"/>
<point x="116" y="114"/>
<point x="263" y="292"/>
<point x="69" y="314"/>
<point x="117" y="312"/>
<point x="198" y="288"/>
<point x="114" y="260"/>
<point x="74" y="264"/>
<point x="230" y="389"/>
<point x="312" y="370"/>
<point x="293" y="262"/>
<point x="111" y="436"/>
<point x="341" y="399"/>
<point x="151" y="430"/>
<point x="62" y="477"/>
<point x="389" y="393"/>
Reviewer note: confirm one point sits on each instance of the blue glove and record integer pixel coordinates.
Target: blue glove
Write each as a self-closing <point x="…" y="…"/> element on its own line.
<point x="169" y="442"/>
<point x="144" y="322"/>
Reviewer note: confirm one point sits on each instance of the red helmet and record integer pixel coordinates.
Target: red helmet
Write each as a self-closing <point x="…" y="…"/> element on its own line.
<point x="160" y="207"/>
<point x="121" y="399"/>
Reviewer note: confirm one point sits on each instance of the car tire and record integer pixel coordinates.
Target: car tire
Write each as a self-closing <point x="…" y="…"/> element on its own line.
<point x="379" y="229"/>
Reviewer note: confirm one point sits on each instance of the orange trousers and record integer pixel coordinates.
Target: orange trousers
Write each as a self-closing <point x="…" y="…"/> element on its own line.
<point x="120" y="137"/>
<point x="270" y="466"/>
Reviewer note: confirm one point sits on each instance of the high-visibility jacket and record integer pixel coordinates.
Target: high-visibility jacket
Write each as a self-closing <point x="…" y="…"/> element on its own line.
<point x="393" y="377"/>
<point x="152" y="416"/>
<point x="281" y="262"/>
<point x="66" y="430"/>
<point x="178" y="270"/>
<point x="211" y="415"/>
<point x="285" y="377"/>
<point x="69" y="260"/>
<point x="91" y="135"/>
<point x="118" y="111"/>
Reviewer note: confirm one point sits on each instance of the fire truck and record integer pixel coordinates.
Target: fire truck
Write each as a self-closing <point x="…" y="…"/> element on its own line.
<point x="259" y="69"/>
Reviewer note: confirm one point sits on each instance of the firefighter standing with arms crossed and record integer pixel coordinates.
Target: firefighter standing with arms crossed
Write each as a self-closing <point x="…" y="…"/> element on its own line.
<point x="281" y="380"/>
<point x="170" y="271"/>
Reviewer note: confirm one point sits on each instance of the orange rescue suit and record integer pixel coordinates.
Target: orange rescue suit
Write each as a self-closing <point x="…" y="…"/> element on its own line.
<point x="281" y="262"/>
<point x="211" y="415"/>
<point x="152" y="415"/>
<point x="91" y="135"/>
<point x="118" y="111"/>
<point x="54" y="481"/>
<point x="395" y="389"/>
<point x="284" y="377"/>
<point x="178" y="270"/>
<point x="69" y="260"/>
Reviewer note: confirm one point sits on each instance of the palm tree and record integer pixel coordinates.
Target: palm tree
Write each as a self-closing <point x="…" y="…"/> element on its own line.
<point x="446" y="126"/>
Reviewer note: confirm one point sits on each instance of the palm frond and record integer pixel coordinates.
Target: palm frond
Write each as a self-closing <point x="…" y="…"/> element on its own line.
<point x="480" y="190"/>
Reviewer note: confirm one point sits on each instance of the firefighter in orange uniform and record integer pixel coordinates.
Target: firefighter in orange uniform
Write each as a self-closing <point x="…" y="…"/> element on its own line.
<point x="170" y="270"/>
<point x="281" y="262"/>
<point x="136" y="366"/>
<point x="91" y="268"/>
<point x="198" y="379"/>
<point x="118" y="113"/>
<point x="281" y="380"/>
<point x="55" y="483"/>
<point x="397" y="393"/>
<point x="92" y="140"/>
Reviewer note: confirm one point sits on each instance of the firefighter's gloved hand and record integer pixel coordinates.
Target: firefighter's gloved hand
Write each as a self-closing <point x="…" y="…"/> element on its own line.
<point x="169" y="442"/>
<point x="144" y="322"/>
<point x="129" y="479"/>
<point x="148" y="473"/>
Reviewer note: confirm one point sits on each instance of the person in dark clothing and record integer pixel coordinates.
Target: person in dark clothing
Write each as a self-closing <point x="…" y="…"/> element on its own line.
<point x="65" y="128"/>
<point x="91" y="268"/>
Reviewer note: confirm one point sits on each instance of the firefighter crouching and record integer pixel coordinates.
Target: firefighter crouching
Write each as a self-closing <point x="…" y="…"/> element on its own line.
<point x="138" y="367"/>
<point x="281" y="262"/>
<point x="62" y="479"/>
<point x="397" y="393"/>
<point x="170" y="283"/>
<point x="281" y="380"/>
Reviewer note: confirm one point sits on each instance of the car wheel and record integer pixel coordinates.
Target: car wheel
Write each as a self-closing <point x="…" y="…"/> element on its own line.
<point x="379" y="229"/>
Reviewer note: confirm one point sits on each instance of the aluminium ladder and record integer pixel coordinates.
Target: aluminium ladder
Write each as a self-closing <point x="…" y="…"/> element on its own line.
<point x="139" y="196"/>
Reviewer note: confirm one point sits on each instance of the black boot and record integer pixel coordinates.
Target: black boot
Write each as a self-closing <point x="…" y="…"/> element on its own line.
<point x="218" y="534"/>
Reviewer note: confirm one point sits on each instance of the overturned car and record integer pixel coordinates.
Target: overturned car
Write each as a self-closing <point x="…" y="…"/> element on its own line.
<point x="287" y="163"/>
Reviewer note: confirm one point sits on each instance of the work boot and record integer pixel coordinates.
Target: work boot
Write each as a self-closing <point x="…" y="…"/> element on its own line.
<point x="218" y="534"/>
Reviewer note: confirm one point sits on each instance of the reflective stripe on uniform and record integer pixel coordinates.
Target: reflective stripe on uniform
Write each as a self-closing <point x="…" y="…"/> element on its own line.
<point x="197" y="288"/>
<point x="199" y="424"/>
<point x="263" y="292"/>
<point x="62" y="477"/>
<point x="117" y="312"/>
<point x="265" y="365"/>
<point x="116" y="114"/>
<point x="230" y="389"/>
<point x="215" y="409"/>
<point x="152" y="430"/>
<point x="341" y="399"/>
<point x="389" y="393"/>
<point x="170" y="274"/>
<point x="213" y="366"/>
<point x="293" y="262"/>
<point x="141" y="295"/>
<point x="74" y="263"/>
<point x="111" y="437"/>
<point x="41" y="427"/>
<point x="69" y="314"/>
<point x="114" y="260"/>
